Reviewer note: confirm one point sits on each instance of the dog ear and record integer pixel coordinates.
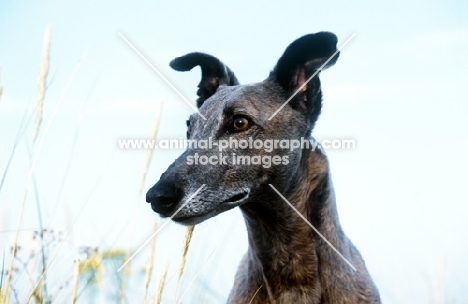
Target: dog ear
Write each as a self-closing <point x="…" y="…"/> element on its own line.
<point x="214" y="73"/>
<point x="300" y="61"/>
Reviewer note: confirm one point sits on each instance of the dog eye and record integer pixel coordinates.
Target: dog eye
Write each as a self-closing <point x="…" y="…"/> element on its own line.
<point x="240" y="123"/>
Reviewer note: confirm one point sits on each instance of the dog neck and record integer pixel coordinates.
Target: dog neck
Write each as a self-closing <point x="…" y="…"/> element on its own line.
<point x="284" y="252"/>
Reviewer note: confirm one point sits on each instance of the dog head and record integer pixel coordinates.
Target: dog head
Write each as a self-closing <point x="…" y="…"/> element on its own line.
<point x="237" y="146"/>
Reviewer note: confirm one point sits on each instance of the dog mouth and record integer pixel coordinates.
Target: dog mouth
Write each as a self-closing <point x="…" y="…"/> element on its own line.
<point x="236" y="198"/>
<point x="213" y="209"/>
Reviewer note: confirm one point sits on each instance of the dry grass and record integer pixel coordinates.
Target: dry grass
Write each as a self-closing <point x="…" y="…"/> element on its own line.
<point x="76" y="272"/>
<point x="149" y="263"/>
<point x="126" y="272"/>
<point x="149" y="152"/>
<point x="85" y="272"/>
<point x="162" y="280"/>
<point x="255" y="294"/>
<point x="44" y="67"/>
<point x="185" y="247"/>
<point x="41" y="81"/>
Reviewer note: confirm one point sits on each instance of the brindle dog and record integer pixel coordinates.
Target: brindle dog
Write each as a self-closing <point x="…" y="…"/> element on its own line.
<point x="286" y="262"/>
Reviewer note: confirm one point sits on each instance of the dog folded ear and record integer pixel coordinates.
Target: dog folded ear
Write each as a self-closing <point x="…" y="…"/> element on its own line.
<point x="214" y="73"/>
<point x="301" y="59"/>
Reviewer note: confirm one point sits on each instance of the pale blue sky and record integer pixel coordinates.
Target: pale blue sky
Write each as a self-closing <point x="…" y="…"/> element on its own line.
<point x="399" y="89"/>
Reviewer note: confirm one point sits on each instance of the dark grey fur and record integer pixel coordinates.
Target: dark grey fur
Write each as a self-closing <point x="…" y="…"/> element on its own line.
<point x="286" y="262"/>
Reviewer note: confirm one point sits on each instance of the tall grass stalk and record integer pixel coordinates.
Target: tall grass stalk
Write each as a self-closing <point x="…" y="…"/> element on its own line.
<point x="51" y="260"/>
<point x="41" y="230"/>
<point x="43" y="69"/>
<point x="26" y="118"/>
<point x="255" y="294"/>
<point x="162" y="279"/>
<point x="41" y="81"/>
<point x="72" y="151"/>
<point x="41" y="235"/>
<point x="30" y="174"/>
<point x="149" y="152"/>
<point x="74" y="286"/>
<point x="125" y="274"/>
<point x="185" y="247"/>
<point x="149" y="264"/>
<point x="2" y="296"/>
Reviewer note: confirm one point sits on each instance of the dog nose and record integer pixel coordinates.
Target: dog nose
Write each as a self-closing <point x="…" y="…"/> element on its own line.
<point x="163" y="196"/>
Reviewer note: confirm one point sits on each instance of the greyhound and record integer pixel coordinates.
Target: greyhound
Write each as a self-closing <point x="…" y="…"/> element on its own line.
<point x="286" y="261"/>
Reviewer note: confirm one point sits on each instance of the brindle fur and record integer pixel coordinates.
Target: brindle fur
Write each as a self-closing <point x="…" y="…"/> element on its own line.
<point x="286" y="261"/>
